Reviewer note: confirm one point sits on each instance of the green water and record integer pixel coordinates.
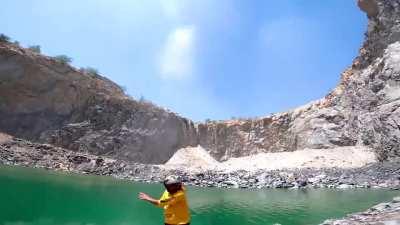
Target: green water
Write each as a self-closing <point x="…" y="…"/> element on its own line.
<point x="39" y="197"/>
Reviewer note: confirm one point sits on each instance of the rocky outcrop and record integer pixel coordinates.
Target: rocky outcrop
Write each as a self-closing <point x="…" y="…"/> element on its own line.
<point x="369" y="7"/>
<point x="19" y="152"/>
<point x="45" y="100"/>
<point x="362" y="110"/>
<point x="246" y="137"/>
<point x="385" y="213"/>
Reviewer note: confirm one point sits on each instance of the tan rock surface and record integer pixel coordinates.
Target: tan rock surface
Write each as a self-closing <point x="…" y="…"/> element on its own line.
<point x="4" y="138"/>
<point x="198" y="159"/>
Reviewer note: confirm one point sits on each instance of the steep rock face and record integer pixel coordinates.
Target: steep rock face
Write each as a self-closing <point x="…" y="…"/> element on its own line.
<point x="237" y="138"/>
<point x="362" y="110"/>
<point x="42" y="99"/>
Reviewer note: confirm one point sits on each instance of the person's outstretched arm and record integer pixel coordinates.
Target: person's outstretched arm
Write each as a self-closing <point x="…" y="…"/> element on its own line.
<point x="147" y="198"/>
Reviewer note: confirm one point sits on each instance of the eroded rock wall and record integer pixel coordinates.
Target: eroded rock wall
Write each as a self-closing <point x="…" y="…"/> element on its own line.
<point x="362" y="110"/>
<point x="48" y="101"/>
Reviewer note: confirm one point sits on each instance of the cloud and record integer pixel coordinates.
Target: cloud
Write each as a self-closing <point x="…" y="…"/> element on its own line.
<point x="178" y="54"/>
<point x="172" y="8"/>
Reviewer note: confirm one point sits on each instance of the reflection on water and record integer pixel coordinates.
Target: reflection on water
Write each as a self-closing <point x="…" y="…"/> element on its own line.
<point x="38" y="197"/>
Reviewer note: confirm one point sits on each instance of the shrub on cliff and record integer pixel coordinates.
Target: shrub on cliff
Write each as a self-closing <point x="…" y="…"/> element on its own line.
<point x="64" y="59"/>
<point x="90" y="71"/>
<point x="35" y="48"/>
<point x="4" y="38"/>
<point x="123" y="88"/>
<point x="147" y="103"/>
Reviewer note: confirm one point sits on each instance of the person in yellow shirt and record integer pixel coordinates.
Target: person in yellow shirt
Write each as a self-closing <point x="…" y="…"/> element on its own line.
<point x="173" y="201"/>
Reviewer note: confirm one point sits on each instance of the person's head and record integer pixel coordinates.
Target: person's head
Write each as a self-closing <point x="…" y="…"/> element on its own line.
<point x="172" y="184"/>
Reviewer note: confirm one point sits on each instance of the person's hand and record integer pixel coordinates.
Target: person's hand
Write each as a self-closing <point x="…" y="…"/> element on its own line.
<point x="143" y="196"/>
<point x="146" y="197"/>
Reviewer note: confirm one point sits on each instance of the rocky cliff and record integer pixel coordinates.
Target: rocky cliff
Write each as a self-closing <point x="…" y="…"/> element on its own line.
<point x="44" y="100"/>
<point x="362" y="110"/>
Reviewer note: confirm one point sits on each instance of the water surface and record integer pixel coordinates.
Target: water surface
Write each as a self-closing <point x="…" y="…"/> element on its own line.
<point x="39" y="197"/>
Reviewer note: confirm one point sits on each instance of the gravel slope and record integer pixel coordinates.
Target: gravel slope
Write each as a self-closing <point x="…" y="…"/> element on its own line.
<point x="198" y="159"/>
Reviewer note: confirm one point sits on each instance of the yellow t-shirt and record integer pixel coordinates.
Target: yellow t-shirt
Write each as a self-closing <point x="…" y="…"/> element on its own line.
<point x="176" y="210"/>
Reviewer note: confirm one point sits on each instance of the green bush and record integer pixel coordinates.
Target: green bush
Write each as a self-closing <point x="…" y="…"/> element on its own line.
<point x="90" y="70"/>
<point x="63" y="59"/>
<point x="4" y="38"/>
<point x="123" y="88"/>
<point x="34" y="48"/>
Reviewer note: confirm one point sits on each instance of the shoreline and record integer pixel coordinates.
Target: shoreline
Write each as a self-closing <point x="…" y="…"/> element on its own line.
<point x="19" y="152"/>
<point x="386" y="213"/>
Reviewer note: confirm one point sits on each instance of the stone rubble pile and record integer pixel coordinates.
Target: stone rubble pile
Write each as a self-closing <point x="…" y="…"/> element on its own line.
<point x="24" y="153"/>
<point x="387" y="213"/>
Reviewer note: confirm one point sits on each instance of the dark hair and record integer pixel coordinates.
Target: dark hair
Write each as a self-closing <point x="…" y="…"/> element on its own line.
<point x="173" y="188"/>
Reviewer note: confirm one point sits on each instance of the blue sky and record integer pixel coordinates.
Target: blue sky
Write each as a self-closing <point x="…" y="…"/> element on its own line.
<point x="200" y="58"/>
